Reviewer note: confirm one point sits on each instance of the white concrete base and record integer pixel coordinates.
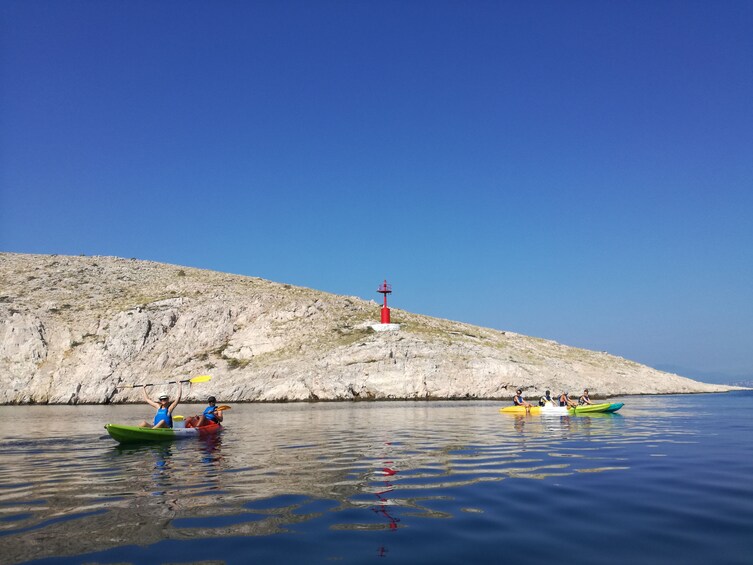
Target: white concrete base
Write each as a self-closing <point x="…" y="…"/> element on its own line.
<point x="385" y="327"/>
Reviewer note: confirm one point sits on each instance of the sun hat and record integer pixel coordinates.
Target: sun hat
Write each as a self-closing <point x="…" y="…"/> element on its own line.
<point x="164" y="397"/>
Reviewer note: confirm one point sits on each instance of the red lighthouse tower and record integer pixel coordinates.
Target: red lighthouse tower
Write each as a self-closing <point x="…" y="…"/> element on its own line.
<point x="385" y="289"/>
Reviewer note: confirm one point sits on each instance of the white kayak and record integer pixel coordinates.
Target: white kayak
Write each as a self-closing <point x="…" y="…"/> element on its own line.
<point x="549" y="410"/>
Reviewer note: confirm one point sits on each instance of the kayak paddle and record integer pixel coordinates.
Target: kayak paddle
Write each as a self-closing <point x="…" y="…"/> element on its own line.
<point x="199" y="379"/>
<point x="224" y="407"/>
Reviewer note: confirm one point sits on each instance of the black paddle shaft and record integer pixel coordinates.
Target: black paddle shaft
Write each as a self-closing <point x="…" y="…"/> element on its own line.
<point x="151" y="384"/>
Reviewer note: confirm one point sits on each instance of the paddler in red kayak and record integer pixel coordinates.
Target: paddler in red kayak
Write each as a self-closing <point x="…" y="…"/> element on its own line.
<point x="211" y="415"/>
<point x="164" y="416"/>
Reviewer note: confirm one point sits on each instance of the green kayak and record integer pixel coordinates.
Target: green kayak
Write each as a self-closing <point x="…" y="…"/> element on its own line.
<point x="586" y="408"/>
<point x="135" y="434"/>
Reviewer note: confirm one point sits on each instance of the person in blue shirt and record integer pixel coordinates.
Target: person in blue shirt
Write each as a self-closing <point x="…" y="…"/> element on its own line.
<point x="517" y="400"/>
<point x="211" y="414"/>
<point x="164" y="416"/>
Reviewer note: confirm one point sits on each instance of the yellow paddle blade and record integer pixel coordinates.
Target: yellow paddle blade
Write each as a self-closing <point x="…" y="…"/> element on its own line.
<point x="178" y="418"/>
<point x="200" y="379"/>
<point x="224" y="407"/>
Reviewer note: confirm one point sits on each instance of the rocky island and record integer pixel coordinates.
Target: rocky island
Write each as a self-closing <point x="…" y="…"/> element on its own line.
<point x="73" y="329"/>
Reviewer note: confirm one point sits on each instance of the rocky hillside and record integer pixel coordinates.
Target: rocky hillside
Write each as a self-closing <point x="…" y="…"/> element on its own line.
<point x="74" y="328"/>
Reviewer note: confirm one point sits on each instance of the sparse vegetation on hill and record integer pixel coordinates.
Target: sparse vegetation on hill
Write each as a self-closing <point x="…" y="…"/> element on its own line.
<point x="74" y="328"/>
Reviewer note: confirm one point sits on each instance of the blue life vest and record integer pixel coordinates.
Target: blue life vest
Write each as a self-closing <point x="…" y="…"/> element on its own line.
<point x="517" y="400"/>
<point x="209" y="413"/>
<point x="163" y="414"/>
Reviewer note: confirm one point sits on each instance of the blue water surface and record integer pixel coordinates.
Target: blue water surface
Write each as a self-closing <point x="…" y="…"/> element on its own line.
<point x="667" y="479"/>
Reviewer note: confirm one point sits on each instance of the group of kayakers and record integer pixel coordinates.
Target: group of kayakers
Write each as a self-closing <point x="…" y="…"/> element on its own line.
<point x="211" y="415"/>
<point x="547" y="399"/>
<point x="164" y="416"/>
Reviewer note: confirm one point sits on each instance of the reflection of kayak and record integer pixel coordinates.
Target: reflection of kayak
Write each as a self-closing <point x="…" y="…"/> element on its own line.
<point x="606" y="415"/>
<point x="135" y="434"/>
<point x="562" y="411"/>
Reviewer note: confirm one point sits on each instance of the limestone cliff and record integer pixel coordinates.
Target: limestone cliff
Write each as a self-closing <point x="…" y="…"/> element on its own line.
<point x="74" y="328"/>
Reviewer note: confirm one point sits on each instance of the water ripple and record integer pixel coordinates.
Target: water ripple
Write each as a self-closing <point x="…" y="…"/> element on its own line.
<point x="443" y="481"/>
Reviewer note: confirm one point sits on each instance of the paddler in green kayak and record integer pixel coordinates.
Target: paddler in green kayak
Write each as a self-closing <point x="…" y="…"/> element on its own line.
<point x="584" y="399"/>
<point x="565" y="400"/>
<point x="164" y="416"/>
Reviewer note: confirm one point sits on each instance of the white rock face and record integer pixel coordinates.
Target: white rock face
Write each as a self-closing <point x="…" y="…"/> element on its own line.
<point x="74" y="328"/>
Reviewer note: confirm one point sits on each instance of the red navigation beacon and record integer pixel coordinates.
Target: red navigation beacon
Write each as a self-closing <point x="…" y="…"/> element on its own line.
<point x="385" y="289"/>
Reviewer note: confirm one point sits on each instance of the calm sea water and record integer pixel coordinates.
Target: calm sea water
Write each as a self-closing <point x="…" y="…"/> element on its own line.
<point x="666" y="480"/>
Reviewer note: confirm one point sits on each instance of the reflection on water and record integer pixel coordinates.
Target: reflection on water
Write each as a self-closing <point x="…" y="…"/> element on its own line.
<point x="336" y="481"/>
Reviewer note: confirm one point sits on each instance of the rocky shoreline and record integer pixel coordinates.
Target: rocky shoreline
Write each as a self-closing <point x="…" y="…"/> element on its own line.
<point x="72" y="329"/>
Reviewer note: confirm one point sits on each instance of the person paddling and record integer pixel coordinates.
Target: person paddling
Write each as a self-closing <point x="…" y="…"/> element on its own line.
<point x="164" y="416"/>
<point x="547" y="400"/>
<point x="211" y="414"/>
<point x="518" y="400"/>
<point x="584" y="399"/>
<point x="565" y="400"/>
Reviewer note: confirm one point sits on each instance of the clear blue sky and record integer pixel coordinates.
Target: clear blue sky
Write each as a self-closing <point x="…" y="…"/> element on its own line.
<point x="579" y="171"/>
